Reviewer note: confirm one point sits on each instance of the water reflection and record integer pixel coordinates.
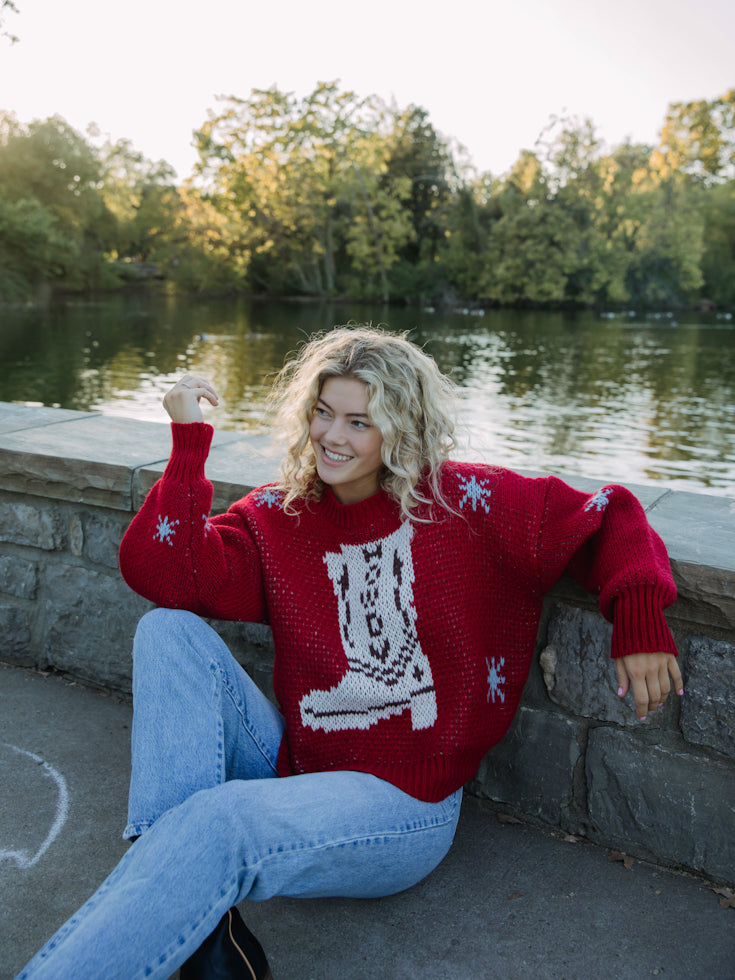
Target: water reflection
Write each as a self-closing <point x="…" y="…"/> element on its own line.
<point x="626" y="398"/>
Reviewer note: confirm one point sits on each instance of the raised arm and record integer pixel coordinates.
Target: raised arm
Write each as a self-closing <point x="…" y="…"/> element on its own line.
<point x="173" y="553"/>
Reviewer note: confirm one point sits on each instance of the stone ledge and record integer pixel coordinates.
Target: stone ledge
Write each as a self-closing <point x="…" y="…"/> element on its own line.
<point x="15" y="417"/>
<point x="83" y="458"/>
<point x="113" y="462"/>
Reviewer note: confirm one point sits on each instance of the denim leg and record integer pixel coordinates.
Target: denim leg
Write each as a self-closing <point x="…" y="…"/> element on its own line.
<point x="220" y="827"/>
<point x="198" y="718"/>
<point x="320" y="834"/>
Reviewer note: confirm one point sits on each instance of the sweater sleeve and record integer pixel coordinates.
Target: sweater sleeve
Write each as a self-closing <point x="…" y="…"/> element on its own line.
<point x="606" y="543"/>
<point x="174" y="554"/>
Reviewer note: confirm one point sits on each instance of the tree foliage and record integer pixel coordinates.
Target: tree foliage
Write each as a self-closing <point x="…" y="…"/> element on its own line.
<point x="338" y="195"/>
<point x="309" y="184"/>
<point x="698" y="139"/>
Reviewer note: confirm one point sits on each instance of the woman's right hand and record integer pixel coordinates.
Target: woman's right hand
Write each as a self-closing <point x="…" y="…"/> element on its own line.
<point x="182" y="401"/>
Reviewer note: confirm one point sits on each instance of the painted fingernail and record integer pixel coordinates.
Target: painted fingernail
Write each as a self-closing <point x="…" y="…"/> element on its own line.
<point x="620" y="692"/>
<point x="643" y="718"/>
<point x="681" y="692"/>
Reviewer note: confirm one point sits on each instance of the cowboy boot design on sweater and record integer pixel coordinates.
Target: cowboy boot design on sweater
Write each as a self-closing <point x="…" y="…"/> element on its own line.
<point x="388" y="671"/>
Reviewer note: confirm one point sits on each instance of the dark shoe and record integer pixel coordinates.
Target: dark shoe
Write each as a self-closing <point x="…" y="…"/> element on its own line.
<point x="231" y="953"/>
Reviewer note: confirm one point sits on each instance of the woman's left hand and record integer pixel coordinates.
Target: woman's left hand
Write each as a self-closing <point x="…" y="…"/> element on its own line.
<point x="650" y="675"/>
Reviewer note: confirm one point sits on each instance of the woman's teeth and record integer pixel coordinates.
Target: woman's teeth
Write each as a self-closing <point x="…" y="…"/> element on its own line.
<point x="336" y="457"/>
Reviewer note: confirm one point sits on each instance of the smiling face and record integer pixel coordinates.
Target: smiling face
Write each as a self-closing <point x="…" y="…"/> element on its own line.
<point x="345" y="442"/>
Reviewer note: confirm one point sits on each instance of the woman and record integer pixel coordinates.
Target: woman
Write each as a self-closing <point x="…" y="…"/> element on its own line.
<point x="404" y="593"/>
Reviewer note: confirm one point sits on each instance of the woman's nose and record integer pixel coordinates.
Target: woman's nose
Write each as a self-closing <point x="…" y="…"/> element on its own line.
<point x="337" y="430"/>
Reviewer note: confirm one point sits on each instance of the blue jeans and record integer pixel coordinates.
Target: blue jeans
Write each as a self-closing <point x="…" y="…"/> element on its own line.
<point x="216" y="823"/>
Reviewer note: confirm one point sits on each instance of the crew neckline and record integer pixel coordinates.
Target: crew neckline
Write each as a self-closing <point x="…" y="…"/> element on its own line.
<point x="378" y="508"/>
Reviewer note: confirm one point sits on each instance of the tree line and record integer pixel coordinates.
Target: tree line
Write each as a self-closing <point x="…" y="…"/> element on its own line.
<point x="342" y="196"/>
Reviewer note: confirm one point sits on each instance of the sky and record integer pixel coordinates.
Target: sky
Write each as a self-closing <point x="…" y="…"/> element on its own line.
<point x="490" y="74"/>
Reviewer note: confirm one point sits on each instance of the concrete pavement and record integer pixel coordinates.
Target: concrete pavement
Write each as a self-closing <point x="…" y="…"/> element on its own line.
<point x="509" y="901"/>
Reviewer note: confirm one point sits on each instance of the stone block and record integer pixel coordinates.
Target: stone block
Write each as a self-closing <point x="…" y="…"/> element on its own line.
<point x="34" y="525"/>
<point x="90" y="620"/>
<point x="15" y="635"/>
<point x="90" y="459"/>
<point x="103" y="532"/>
<point x="708" y="705"/>
<point x="252" y="641"/>
<point x="533" y="768"/>
<point x="262" y="673"/>
<point x="580" y="675"/>
<point x="705" y="598"/>
<point x="251" y="644"/>
<point x="654" y="798"/>
<point x="18" y="577"/>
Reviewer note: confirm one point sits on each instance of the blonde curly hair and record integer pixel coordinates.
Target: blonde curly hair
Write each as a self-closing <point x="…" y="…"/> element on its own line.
<point x="409" y="400"/>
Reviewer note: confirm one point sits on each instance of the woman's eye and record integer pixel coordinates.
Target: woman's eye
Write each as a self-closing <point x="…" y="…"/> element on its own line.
<point x="359" y="425"/>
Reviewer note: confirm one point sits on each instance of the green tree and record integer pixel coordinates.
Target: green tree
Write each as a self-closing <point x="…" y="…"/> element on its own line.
<point x="698" y="139"/>
<point x="301" y="179"/>
<point x="697" y="145"/>
<point x="32" y="249"/>
<point x="49" y="164"/>
<point x="421" y="160"/>
<point x="141" y="197"/>
<point x="198" y="248"/>
<point x="718" y="259"/>
<point x="665" y="268"/>
<point x="471" y="214"/>
<point x="581" y="225"/>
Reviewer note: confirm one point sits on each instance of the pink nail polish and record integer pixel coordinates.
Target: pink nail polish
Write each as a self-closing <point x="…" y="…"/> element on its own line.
<point x="620" y="692"/>
<point x="681" y="692"/>
<point x="643" y="718"/>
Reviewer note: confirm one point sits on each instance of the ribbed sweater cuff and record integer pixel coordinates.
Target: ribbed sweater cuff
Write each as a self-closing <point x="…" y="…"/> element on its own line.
<point x="639" y="624"/>
<point x="191" y="442"/>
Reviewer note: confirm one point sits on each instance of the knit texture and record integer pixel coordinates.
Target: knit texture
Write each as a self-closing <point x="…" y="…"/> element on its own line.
<point x="402" y="648"/>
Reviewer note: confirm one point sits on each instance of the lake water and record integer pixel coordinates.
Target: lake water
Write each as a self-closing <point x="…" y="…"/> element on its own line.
<point x="632" y="398"/>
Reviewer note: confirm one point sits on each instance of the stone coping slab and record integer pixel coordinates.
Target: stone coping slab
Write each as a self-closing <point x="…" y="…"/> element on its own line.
<point x="13" y="416"/>
<point x="83" y="458"/>
<point x="703" y="526"/>
<point x="113" y="462"/>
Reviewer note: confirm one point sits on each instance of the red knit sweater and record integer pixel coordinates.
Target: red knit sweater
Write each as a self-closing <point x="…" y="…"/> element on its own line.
<point x="402" y="648"/>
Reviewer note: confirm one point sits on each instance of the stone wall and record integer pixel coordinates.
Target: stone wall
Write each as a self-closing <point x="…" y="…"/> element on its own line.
<point x="576" y="758"/>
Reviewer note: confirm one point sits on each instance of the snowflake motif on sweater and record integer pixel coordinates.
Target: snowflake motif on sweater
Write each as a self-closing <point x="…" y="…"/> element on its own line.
<point x="600" y="500"/>
<point x="475" y="492"/>
<point x="268" y="496"/>
<point x="495" y="679"/>
<point x="165" y="530"/>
